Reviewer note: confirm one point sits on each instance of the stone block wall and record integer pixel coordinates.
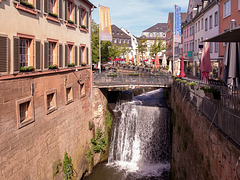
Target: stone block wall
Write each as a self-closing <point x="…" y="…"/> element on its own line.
<point x="199" y="150"/>
<point x="31" y="151"/>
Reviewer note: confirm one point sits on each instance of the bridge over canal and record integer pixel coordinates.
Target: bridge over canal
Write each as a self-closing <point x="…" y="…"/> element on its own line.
<point x="131" y="79"/>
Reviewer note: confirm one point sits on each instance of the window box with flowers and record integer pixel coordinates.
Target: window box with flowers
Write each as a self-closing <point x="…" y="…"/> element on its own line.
<point x="84" y="64"/>
<point x="27" y="69"/>
<point x="70" y="21"/>
<point x="71" y="65"/>
<point x="26" y="4"/>
<point x="54" y="66"/>
<point x="52" y="14"/>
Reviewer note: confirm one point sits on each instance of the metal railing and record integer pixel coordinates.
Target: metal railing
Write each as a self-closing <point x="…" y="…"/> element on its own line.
<point x="224" y="113"/>
<point x="123" y="77"/>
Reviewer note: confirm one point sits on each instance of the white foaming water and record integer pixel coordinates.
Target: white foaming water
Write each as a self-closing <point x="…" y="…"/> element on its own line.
<point x="140" y="141"/>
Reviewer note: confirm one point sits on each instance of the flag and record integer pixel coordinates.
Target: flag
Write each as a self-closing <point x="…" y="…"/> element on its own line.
<point x="177" y="24"/>
<point x="105" y="24"/>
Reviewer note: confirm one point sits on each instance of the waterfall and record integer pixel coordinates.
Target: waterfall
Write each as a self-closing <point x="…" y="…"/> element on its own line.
<point x="140" y="142"/>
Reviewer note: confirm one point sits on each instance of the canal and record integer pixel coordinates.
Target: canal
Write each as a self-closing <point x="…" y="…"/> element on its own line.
<point x="140" y="140"/>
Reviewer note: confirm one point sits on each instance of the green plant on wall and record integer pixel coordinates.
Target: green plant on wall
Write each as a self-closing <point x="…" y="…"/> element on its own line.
<point x="56" y="167"/>
<point x="67" y="167"/>
<point x="90" y="125"/>
<point x="99" y="143"/>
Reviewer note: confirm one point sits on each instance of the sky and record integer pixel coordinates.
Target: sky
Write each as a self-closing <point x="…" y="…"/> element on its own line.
<point x="138" y="15"/>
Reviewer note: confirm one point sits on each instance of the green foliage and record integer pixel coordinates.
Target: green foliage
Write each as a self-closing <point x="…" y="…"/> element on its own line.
<point x="56" y="166"/>
<point x="52" y="14"/>
<point x="157" y="46"/>
<point x="54" y="66"/>
<point x="83" y="26"/>
<point x="133" y="74"/>
<point x="191" y="83"/>
<point x="67" y="167"/>
<point x="70" y="21"/>
<point x="89" y="156"/>
<point x="167" y="67"/>
<point x="99" y="143"/>
<point x="183" y="81"/>
<point x="83" y="64"/>
<point x="90" y="125"/>
<point x="142" y="46"/>
<point x="26" y="68"/>
<point x="112" y="75"/>
<point x="71" y="64"/>
<point x="108" y="124"/>
<point x="178" y="80"/>
<point x="209" y="89"/>
<point x="26" y="4"/>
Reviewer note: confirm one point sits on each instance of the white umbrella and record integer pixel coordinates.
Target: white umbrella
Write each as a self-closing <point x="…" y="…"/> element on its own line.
<point x="170" y="67"/>
<point x="164" y="61"/>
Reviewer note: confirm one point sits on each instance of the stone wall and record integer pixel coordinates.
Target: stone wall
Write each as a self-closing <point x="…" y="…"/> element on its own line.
<point x="199" y="151"/>
<point x="29" y="152"/>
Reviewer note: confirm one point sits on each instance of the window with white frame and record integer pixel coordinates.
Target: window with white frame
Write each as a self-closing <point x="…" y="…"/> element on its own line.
<point x="227" y="8"/>
<point x="216" y="47"/>
<point x="206" y="24"/>
<point x="210" y="22"/>
<point x="216" y="18"/>
<point x="24" y="52"/>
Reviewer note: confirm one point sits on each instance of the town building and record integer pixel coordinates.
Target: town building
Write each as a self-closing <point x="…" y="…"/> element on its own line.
<point x="134" y="43"/>
<point x="46" y="85"/>
<point x="120" y="38"/>
<point x="157" y="31"/>
<point x="228" y="10"/>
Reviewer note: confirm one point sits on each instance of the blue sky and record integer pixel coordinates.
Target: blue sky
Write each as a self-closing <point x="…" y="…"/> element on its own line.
<point x="138" y="15"/>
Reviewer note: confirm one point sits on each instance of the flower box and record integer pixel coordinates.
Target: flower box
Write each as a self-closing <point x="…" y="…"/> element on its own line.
<point x="52" y="14"/>
<point x="71" y="64"/>
<point x="70" y="21"/>
<point x="26" y="4"/>
<point x="83" y="64"/>
<point x="27" y="69"/>
<point x="54" y="66"/>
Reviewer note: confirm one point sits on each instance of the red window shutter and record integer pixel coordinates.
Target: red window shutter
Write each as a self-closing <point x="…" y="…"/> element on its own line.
<point x="16" y="53"/>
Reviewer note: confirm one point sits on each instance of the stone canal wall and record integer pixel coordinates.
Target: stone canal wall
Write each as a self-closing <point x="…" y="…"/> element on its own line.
<point x="198" y="151"/>
<point x="30" y="148"/>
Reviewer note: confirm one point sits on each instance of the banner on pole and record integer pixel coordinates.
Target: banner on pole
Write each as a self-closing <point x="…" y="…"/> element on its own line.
<point x="177" y="23"/>
<point x="105" y="24"/>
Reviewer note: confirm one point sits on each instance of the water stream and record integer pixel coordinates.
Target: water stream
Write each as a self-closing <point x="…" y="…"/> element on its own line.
<point x="140" y="145"/>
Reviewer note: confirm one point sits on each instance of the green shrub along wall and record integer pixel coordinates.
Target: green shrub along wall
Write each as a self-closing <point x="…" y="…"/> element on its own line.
<point x="194" y="156"/>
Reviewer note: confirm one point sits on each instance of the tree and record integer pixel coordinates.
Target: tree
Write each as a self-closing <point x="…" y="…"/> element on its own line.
<point x="157" y="46"/>
<point x="107" y="47"/>
<point x="142" y="46"/>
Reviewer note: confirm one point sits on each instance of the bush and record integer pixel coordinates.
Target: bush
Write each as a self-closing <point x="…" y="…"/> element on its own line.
<point x="191" y="83"/>
<point x="67" y="167"/>
<point x="178" y="80"/>
<point x="183" y="81"/>
<point x="99" y="143"/>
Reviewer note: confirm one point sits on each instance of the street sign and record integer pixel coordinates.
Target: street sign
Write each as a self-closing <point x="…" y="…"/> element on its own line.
<point x="189" y="53"/>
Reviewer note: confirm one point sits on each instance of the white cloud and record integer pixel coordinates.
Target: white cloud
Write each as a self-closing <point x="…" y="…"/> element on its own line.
<point x="138" y="15"/>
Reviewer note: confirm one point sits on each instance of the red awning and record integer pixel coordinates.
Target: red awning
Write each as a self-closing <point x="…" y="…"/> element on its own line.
<point x="145" y="60"/>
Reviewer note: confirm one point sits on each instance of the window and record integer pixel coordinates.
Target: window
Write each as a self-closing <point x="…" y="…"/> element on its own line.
<point x="202" y="23"/>
<point x="52" y="6"/>
<point x="69" y="95"/>
<point x="196" y="45"/>
<point x="83" y="19"/>
<point x="50" y="100"/>
<point x="52" y="54"/>
<point x="82" y="90"/>
<point x="190" y="31"/>
<point x="206" y="24"/>
<point x="238" y="4"/>
<point x="70" y="54"/>
<point x="210" y="22"/>
<point x="211" y="47"/>
<point x="187" y="47"/>
<point x="24" y="111"/>
<point x="83" y="53"/>
<point x="70" y="11"/>
<point x="198" y="25"/>
<point x="187" y="32"/>
<point x="215" y="18"/>
<point x="227" y="8"/>
<point x="195" y="27"/>
<point x="216" y="47"/>
<point x="26" y="50"/>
